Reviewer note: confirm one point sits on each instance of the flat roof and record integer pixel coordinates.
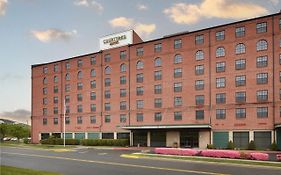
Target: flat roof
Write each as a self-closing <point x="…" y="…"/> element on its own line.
<point x="190" y="126"/>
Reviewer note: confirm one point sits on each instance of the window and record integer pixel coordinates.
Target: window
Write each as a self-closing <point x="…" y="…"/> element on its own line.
<point x="199" y="70"/>
<point x="67" y="65"/>
<point x="177" y="59"/>
<point x="107" y="94"/>
<point x="56" y="110"/>
<point x="262" y="78"/>
<point x="220" y="98"/>
<point x="67" y="120"/>
<point x="220" y="113"/>
<point x="56" y="68"/>
<point x="45" y="91"/>
<point x="140" y="104"/>
<point x="220" y="52"/>
<point x="261" y="61"/>
<point x="240" y="97"/>
<point x="261" y="45"/>
<point x="262" y="95"/>
<point x="158" y="75"/>
<point x="199" y="39"/>
<point x="79" y="108"/>
<point x="220" y="82"/>
<point x="79" y="86"/>
<point x="178" y="87"/>
<point x="79" y="120"/>
<point x="107" y="106"/>
<point x="240" y="48"/>
<point x="45" y="101"/>
<point x="140" y="51"/>
<point x="280" y="23"/>
<point x="122" y="118"/>
<point x="262" y="112"/>
<point x="199" y="114"/>
<point x="220" y="35"/>
<point x="123" y="80"/>
<point x="158" y="102"/>
<point x="123" y="67"/>
<point x="107" y="70"/>
<point x="93" y="96"/>
<point x="93" y="119"/>
<point x="240" y="113"/>
<point x="56" y="100"/>
<point x="79" y="63"/>
<point x="199" y="84"/>
<point x="56" y="89"/>
<point x="79" y="97"/>
<point x="56" y="79"/>
<point x="157" y="116"/>
<point x="199" y="99"/>
<point x="177" y="43"/>
<point x="67" y="87"/>
<point x="158" y="89"/>
<point x="240" y="80"/>
<point x="56" y="121"/>
<point x="107" y="57"/>
<point x="157" y="62"/>
<point x="45" y="111"/>
<point x="240" y="64"/>
<point x="261" y="27"/>
<point x="107" y="82"/>
<point x="139" y="117"/>
<point x="93" y="60"/>
<point x="139" y="78"/>
<point x="279" y="76"/>
<point x="177" y="101"/>
<point x="45" y="80"/>
<point x="93" y="73"/>
<point x="240" y="31"/>
<point x="157" y="47"/>
<point x="178" y="115"/>
<point x="140" y="65"/>
<point x="220" y="67"/>
<point x="199" y="55"/>
<point x="123" y="54"/>
<point x="67" y="98"/>
<point x="45" y="121"/>
<point x="140" y="91"/>
<point x="79" y="75"/>
<point x="45" y="70"/>
<point x="123" y="105"/>
<point x="67" y="76"/>
<point x="107" y="119"/>
<point x="67" y="109"/>
<point x="177" y="72"/>
<point x="93" y="84"/>
<point x="123" y="93"/>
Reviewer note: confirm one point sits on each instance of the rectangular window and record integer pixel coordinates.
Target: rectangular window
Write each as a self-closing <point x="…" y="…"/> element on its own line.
<point x="56" y="100"/>
<point x="123" y="93"/>
<point x="262" y="78"/>
<point x="56" y="121"/>
<point x="107" y="57"/>
<point x="123" y="80"/>
<point x="107" y="82"/>
<point x="220" y="98"/>
<point x="157" y="47"/>
<point x="178" y="87"/>
<point x="261" y="27"/>
<point x="56" y="110"/>
<point x="122" y="118"/>
<point x="199" y="39"/>
<point x="157" y="116"/>
<point x="178" y="115"/>
<point x="123" y="54"/>
<point x="177" y="72"/>
<point x="56" y="68"/>
<point x="220" y="113"/>
<point x="140" y="51"/>
<point x="67" y="65"/>
<point x="240" y="113"/>
<point x="45" y="111"/>
<point x="93" y="60"/>
<point x="140" y="104"/>
<point x="45" y="91"/>
<point x="177" y="101"/>
<point x="280" y="23"/>
<point x="240" y="97"/>
<point x="220" y="82"/>
<point x="240" y="31"/>
<point x="107" y="119"/>
<point x="79" y="63"/>
<point x="139" y="117"/>
<point x="67" y="87"/>
<point x="93" y="84"/>
<point x="158" y="102"/>
<point x="240" y="64"/>
<point x="123" y="105"/>
<point x="107" y="94"/>
<point x="79" y="108"/>
<point x="262" y="95"/>
<point x="240" y="80"/>
<point x="79" y="86"/>
<point x="93" y="96"/>
<point x="107" y="106"/>
<point x="261" y="61"/>
<point x="93" y="108"/>
<point x="67" y="109"/>
<point x="220" y="67"/>
<point x="67" y="120"/>
<point x="56" y="89"/>
<point x="45" y="121"/>
<point x="139" y="78"/>
<point x="79" y="120"/>
<point x="140" y="91"/>
<point x="199" y="84"/>
<point x="158" y="75"/>
<point x="177" y="43"/>
<point x="45" y="70"/>
<point x="45" y="101"/>
<point x="262" y="112"/>
<point x="220" y="35"/>
<point x="199" y="114"/>
<point x="93" y="119"/>
<point x="79" y="97"/>
<point x="158" y="89"/>
<point x="199" y="70"/>
<point x="199" y="100"/>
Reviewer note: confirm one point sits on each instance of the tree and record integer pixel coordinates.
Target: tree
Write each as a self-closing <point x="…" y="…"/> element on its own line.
<point x="19" y="131"/>
<point x="4" y="130"/>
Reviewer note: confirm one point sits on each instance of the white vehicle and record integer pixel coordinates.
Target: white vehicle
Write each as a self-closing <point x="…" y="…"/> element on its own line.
<point x="14" y="139"/>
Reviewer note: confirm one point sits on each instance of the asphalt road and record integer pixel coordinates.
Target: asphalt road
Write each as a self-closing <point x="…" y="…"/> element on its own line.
<point x="106" y="162"/>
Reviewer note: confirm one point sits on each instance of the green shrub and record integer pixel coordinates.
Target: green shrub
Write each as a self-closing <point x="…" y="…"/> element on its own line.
<point x="230" y="145"/>
<point x="274" y="146"/>
<point x="59" y="141"/>
<point x="26" y="141"/>
<point x="251" y="145"/>
<point x="105" y="142"/>
<point x="210" y="146"/>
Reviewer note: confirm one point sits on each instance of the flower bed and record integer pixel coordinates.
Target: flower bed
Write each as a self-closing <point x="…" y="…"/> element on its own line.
<point x="258" y="156"/>
<point x="278" y="157"/>
<point x="176" y="151"/>
<point x="221" y="153"/>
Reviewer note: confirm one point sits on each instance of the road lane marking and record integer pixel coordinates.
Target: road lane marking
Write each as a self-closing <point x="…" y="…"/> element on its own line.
<point x="116" y="164"/>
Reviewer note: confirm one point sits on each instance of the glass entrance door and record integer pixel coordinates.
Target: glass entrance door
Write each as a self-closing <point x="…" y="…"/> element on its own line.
<point x="189" y="139"/>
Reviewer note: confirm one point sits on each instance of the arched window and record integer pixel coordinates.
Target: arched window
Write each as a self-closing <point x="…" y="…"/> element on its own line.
<point x="140" y="65"/>
<point x="157" y="62"/>
<point x="56" y="79"/>
<point x="199" y="55"/>
<point x="79" y="75"/>
<point x="45" y="80"/>
<point x="220" y="52"/>
<point x="261" y="45"/>
<point x="177" y="58"/>
<point x="67" y="76"/>
<point x="107" y="70"/>
<point x="123" y="67"/>
<point x="240" y="48"/>
<point x="93" y="73"/>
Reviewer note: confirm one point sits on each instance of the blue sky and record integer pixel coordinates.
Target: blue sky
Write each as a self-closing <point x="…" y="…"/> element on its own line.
<point x="37" y="31"/>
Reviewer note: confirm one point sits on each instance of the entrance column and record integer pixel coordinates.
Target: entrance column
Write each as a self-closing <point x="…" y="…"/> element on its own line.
<point x="148" y="138"/>
<point x="131" y="138"/>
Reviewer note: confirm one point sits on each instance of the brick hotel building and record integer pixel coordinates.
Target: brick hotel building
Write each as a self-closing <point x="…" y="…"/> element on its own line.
<point x="208" y="86"/>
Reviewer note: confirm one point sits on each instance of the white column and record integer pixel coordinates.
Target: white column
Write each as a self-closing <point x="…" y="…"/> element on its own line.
<point x="115" y="135"/>
<point x="230" y="136"/>
<point x="39" y="136"/>
<point x="131" y="138"/>
<point x="50" y="134"/>
<point x="211" y="137"/>
<point x="73" y="135"/>
<point x="251" y="135"/>
<point x="86" y="135"/>
<point x="148" y="138"/>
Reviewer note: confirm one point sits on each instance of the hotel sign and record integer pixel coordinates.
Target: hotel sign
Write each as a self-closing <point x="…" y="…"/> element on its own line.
<point x="116" y="40"/>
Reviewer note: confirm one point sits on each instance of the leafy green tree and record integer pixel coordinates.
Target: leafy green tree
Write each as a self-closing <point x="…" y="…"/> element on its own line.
<point x="4" y="130"/>
<point x="20" y="131"/>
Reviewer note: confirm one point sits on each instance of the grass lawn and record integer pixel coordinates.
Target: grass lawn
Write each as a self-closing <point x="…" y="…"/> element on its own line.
<point x="36" y="145"/>
<point x="8" y="170"/>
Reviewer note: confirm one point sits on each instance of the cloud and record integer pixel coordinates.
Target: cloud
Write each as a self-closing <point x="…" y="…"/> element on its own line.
<point x="3" y="6"/>
<point x="184" y="13"/>
<point x="92" y="4"/>
<point x="141" y="7"/>
<point x="19" y="115"/>
<point x="52" y="34"/>
<point x="142" y="29"/>
<point x="274" y="2"/>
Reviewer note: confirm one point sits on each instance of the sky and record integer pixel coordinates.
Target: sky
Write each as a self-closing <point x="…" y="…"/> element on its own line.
<point x="39" y="31"/>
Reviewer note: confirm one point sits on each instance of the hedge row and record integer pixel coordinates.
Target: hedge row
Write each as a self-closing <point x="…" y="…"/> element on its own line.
<point x="58" y="141"/>
<point x="86" y="142"/>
